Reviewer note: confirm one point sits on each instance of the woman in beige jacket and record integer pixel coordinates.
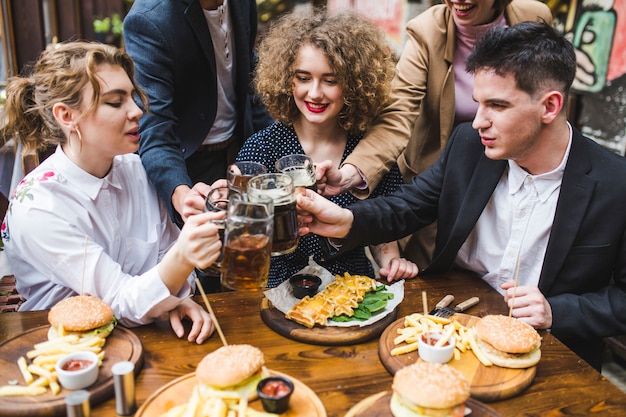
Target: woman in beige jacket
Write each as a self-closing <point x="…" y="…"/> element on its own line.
<point x="415" y="127"/>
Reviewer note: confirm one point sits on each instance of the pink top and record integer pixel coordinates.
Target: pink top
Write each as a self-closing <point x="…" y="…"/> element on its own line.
<point x="466" y="36"/>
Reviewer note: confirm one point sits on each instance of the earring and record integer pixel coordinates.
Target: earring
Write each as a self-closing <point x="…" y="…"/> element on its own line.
<point x="80" y="138"/>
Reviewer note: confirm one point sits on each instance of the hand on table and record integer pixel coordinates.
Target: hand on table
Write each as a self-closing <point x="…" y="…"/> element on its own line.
<point x="529" y="305"/>
<point x="202" y="325"/>
<point x="399" y="268"/>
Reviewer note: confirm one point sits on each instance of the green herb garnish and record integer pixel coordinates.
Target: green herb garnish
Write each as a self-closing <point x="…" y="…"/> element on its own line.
<point x="373" y="302"/>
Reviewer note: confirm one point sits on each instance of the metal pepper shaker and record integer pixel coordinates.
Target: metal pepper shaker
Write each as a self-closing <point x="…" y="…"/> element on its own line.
<point x="77" y="404"/>
<point x="124" y="383"/>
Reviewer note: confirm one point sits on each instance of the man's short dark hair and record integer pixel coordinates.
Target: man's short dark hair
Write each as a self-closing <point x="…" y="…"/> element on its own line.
<point x="533" y="52"/>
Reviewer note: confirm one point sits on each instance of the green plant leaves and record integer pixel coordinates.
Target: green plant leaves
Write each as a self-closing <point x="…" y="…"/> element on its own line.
<point x="373" y="302"/>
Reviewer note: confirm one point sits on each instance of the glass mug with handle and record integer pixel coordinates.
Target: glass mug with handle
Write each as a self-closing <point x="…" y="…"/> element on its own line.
<point x="239" y="173"/>
<point x="216" y="201"/>
<point x="280" y="188"/>
<point x="247" y="243"/>
<point x="300" y="168"/>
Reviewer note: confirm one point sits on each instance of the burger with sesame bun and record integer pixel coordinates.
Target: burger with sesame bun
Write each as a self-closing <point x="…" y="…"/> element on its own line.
<point x="508" y="342"/>
<point x="429" y="390"/>
<point x="231" y="371"/>
<point x="83" y="315"/>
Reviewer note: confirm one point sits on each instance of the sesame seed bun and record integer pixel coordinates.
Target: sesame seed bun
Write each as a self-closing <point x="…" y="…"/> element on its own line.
<point x="507" y="334"/>
<point x="427" y="385"/>
<point x="230" y="365"/>
<point x="80" y="313"/>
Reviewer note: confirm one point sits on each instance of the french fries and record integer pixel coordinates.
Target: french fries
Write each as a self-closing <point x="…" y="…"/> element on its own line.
<point x="38" y="365"/>
<point x="415" y="324"/>
<point x="201" y="404"/>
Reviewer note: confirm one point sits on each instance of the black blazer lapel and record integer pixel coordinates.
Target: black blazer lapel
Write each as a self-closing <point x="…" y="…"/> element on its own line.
<point x="484" y="180"/>
<point x="574" y="198"/>
<point x="195" y="16"/>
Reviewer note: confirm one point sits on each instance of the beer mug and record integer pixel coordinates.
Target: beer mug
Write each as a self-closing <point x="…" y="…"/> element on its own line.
<point x="247" y="243"/>
<point x="239" y="173"/>
<point x="280" y="188"/>
<point x="216" y="201"/>
<point x="300" y="168"/>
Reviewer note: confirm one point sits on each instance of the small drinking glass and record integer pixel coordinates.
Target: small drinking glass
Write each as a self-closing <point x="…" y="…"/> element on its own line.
<point x="239" y="173"/>
<point x="279" y="187"/>
<point x="247" y="243"/>
<point x="300" y="168"/>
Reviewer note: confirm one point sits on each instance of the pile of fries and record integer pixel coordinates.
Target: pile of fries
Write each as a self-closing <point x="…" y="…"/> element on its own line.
<point x="37" y="368"/>
<point x="415" y="324"/>
<point x="214" y="404"/>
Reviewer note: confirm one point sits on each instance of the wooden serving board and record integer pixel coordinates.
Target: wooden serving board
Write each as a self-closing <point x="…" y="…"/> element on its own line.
<point x="303" y="402"/>
<point x="121" y="345"/>
<point x="329" y="335"/>
<point x="377" y="405"/>
<point x="488" y="383"/>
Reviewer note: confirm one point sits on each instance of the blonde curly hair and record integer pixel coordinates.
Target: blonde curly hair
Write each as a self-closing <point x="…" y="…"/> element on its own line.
<point x="357" y="52"/>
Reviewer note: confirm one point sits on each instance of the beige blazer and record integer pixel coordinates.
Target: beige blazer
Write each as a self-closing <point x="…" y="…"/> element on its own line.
<point x="414" y="128"/>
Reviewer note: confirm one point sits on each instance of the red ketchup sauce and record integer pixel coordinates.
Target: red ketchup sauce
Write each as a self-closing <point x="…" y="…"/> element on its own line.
<point x="433" y="339"/>
<point x="275" y="389"/>
<point x="76" y="364"/>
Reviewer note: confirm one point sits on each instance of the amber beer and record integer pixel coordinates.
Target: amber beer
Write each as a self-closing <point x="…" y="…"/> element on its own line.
<point x="246" y="262"/>
<point x="247" y="243"/>
<point x="280" y="188"/>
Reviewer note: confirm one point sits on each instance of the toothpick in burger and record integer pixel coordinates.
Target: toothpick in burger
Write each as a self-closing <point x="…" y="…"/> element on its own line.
<point x="231" y="372"/>
<point x="508" y="342"/>
<point x="83" y="315"/>
<point x="426" y="389"/>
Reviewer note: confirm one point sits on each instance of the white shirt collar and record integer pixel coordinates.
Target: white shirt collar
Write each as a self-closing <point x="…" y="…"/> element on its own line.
<point x="84" y="181"/>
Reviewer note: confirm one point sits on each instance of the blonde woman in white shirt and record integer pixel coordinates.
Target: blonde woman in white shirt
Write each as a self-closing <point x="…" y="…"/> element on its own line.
<point x="88" y="220"/>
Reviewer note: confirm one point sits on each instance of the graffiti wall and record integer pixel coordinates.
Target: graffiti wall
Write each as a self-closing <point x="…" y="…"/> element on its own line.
<point x="597" y="28"/>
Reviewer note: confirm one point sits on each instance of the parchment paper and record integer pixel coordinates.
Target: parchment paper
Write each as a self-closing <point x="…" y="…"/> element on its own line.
<point x="282" y="297"/>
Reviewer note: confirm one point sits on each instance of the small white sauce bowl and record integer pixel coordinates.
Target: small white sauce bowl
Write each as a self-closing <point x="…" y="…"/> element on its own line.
<point x="81" y="378"/>
<point x="435" y="354"/>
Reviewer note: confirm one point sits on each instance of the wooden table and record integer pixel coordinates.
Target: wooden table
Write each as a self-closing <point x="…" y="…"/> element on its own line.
<point x="344" y="375"/>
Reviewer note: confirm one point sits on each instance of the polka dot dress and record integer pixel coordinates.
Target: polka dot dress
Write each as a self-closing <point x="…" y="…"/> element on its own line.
<point x="278" y="140"/>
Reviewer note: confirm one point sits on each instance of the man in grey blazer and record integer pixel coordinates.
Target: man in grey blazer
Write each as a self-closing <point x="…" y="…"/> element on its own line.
<point x="521" y="197"/>
<point x="194" y="59"/>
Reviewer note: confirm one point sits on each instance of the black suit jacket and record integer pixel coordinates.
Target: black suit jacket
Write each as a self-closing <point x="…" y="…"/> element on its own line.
<point x="584" y="270"/>
<point x="170" y="42"/>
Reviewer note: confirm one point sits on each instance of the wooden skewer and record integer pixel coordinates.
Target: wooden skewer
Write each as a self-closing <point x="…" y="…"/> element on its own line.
<point x="211" y="313"/>
<point x="519" y="261"/>
<point x="424" y="303"/>
<point x="82" y="278"/>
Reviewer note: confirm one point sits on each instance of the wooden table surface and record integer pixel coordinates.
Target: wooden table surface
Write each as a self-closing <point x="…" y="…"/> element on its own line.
<point x="342" y="376"/>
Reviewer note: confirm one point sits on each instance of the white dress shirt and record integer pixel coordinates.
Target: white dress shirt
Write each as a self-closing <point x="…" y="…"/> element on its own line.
<point x="67" y="232"/>
<point x="513" y="230"/>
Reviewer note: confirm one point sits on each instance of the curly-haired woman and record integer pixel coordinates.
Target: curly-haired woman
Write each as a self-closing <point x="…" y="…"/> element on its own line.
<point x="324" y="79"/>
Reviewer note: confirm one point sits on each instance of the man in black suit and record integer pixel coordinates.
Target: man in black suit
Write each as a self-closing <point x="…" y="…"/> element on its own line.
<point x="194" y="59"/>
<point x="520" y="196"/>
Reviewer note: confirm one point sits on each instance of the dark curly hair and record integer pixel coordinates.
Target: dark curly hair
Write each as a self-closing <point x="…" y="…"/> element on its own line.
<point x="357" y="52"/>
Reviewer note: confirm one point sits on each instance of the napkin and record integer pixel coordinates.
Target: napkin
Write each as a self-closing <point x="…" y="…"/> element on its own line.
<point x="282" y="297"/>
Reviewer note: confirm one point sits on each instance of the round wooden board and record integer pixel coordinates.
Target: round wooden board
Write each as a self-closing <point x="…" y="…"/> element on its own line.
<point x="121" y="345"/>
<point x="303" y="402"/>
<point x="377" y="405"/>
<point x="488" y="383"/>
<point x="329" y="335"/>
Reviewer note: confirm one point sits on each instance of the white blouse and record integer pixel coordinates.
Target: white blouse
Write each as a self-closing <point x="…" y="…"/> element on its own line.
<point x="67" y="232"/>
